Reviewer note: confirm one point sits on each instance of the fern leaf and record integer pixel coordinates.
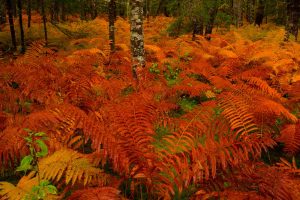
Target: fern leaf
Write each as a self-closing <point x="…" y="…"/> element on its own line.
<point x="71" y="166"/>
<point x="290" y="136"/>
<point x="12" y="146"/>
<point x="260" y="85"/>
<point x="102" y="193"/>
<point x="237" y="112"/>
<point x="23" y="189"/>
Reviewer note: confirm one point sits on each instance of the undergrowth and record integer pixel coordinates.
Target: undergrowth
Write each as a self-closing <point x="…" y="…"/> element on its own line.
<point x="212" y="119"/>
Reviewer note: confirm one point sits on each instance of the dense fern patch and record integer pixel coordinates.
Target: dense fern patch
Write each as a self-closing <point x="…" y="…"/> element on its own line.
<point x="195" y="127"/>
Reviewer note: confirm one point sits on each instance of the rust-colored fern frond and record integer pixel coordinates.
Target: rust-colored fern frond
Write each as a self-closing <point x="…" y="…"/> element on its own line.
<point x="203" y="148"/>
<point x="102" y="193"/>
<point x="269" y="182"/>
<point x="37" y="49"/>
<point x="12" y="147"/>
<point x="271" y="109"/>
<point x="290" y="136"/>
<point x="258" y="85"/>
<point x="133" y="129"/>
<point x="236" y="110"/>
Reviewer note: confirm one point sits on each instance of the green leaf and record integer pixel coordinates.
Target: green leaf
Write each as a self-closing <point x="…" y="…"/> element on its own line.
<point x="35" y="189"/>
<point x="43" y="147"/>
<point x="40" y="134"/>
<point x="27" y="130"/>
<point x="28" y="139"/>
<point x="25" y="163"/>
<point x="51" y="189"/>
<point x="44" y="183"/>
<point x="42" y="194"/>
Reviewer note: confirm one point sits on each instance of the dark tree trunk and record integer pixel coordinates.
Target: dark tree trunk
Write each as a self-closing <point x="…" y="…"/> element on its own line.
<point x="293" y="14"/>
<point x="54" y="11"/>
<point x="44" y="21"/>
<point x="94" y="12"/>
<point x="38" y="6"/>
<point x="11" y="24"/>
<point x="121" y="8"/>
<point x="162" y="8"/>
<point x="63" y="11"/>
<point x="2" y="12"/>
<point x="14" y="8"/>
<point x="210" y="24"/>
<point x="259" y="16"/>
<point x="83" y="10"/>
<point x="21" y="26"/>
<point x="137" y="37"/>
<point x="29" y="13"/>
<point x="112" y="19"/>
<point x="250" y="15"/>
<point x="197" y="27"/>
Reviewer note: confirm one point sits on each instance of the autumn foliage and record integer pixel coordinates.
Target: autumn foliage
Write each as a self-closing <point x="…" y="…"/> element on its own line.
<point x="201" y="124"/>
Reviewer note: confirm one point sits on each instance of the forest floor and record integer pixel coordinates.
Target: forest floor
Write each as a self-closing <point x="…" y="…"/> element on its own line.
<point x="246" y="80"/>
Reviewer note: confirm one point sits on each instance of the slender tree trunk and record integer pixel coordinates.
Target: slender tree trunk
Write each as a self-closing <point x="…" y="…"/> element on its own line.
<point x="21" y="26"/>
<point x="44" y="21"/>
<point x="63" y="11"/>
<point x="210" y="24"/>
<point x="137" y="38"/>
<point x="293" y="14"/>
<point x="197" y="27"/>
<point x="54" y="11"/>
<point x="38" y="6"/>
<point x="11" y="24"/>
<point x="112" y="19"/>
<point x="29" y="13"/>
<point x="14" y="8"/>
<point x="2" y="12"/>
<point x="94" y="12"/>
<point x="259" y="16"/>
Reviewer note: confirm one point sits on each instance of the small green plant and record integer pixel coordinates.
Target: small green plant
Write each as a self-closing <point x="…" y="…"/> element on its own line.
<point x="38" y="149"/>
<point x="171" y="74"/>
<point x="186" y="57"/>
<point x="154" y="69"/>
<point x="187" y="104"/>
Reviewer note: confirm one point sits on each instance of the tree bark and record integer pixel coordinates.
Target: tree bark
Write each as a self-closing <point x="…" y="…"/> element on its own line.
<point x="63" y="11"/>
<point x="2" y="12"/>
<point x="293" y="14"/>
<point x="112" y="19"/>
<point x="211" y="20"/>
<point x="137" y="37"/>
<point x="54" y="11"/>
<point x="260" y="13"/>
<point x="44" y="21"/>
<point x="14" y="8"/>
<point x="29" y="13"/>
<point x="11" y="24"/>
<point x="19" y="3"/>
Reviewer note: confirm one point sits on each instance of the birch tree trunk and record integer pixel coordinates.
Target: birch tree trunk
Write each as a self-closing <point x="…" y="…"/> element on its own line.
<point x="137" y="37"/>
